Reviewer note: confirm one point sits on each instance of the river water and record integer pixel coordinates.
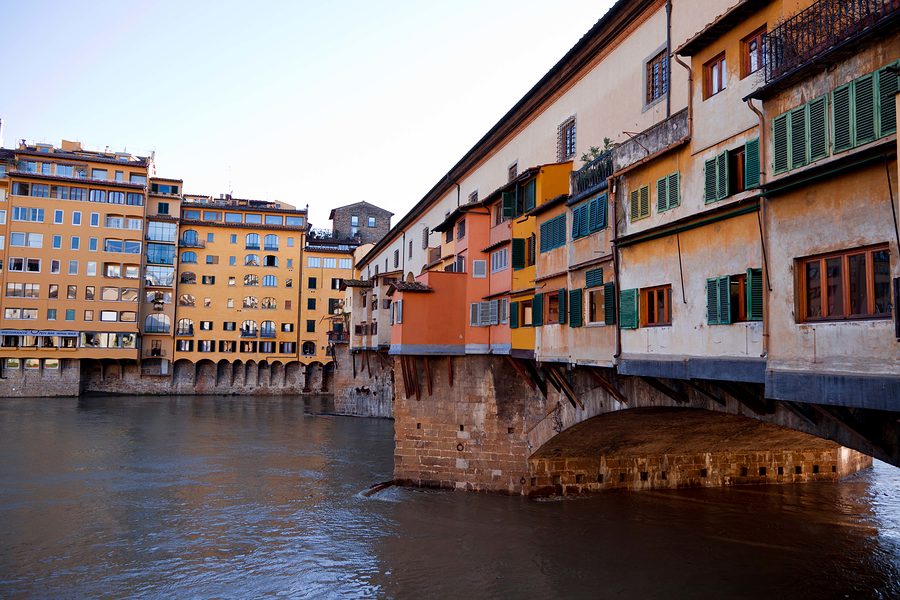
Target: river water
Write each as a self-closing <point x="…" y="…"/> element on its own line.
<point x="244" y="498"/>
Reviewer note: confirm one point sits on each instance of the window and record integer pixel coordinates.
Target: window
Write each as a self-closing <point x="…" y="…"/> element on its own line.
<point x="251" y="280"/>
<point x="371" y="222"/>
<point x="752" y="52"/>
<point x="251" y="260"/>
<point x="270" y="281"/>
<point x="734" y="298"/>
<point x="409" y="255"/>
<point x="162" y="208"/>
<point x="91" y="269"/>
<point x="206" y="325"/>
<point x="601" y="302"/>
<point x="208" y="280"/>
<point x="270" y="242"/>
<point x="189" y="257"/>
<point x="479" y="269"/>
<point x="553" y="307"/>
<point x="657" y="77"/>
<point x="116" y="198"/>
<point x="108" y="315"/>
<point x="512" y="171"/>
<point x="229" y="326"/>
<point x="589" y="217"/>
<point x="212" y="259"/>
<point x="269" y="303"/>
<point x="274" y="220"/>
<point x="73" y="267"/>
<point x="250" y="302"/>
<point x="354" y="221"/>
<point x="270" y="260"/>
<point x="99" y="174"/>
<point x="70" y="314"/>
<point x="95" y="219"/>
<point x="252" y="241"/>
<point x="396" y="259"/>
<point x="640" y="203"/>
<point x="565" y="140"/>
<point x="330" y="263"/>
<point x="655" y="305"/>
<point x="34" y="215"/>
<point x="28" y="240"/>
<point x="731" y="172"/>
<point x="310" y="326"/>
<point x="311" y="304"/>
<point x="76" y="217"/>
<point x="157" y="323"/>
<point x="553" y="233"/>
<point x="852" y="284"/>
<point x="714" y="76"/>
<point x="343" y="263"/>
<point x="499" y="260"/>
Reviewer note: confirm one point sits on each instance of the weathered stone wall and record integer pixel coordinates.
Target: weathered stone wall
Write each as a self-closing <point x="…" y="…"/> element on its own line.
<point x="47" y="383"/>
<point x="363" y="383"/>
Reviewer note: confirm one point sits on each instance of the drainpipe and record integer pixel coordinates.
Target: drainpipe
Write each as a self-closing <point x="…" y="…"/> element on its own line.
<point x="403" y="257"/>
<point x="611" y="185"/>
<point x="690" y="105"/>
<point x="669" y="56"/>
<point x="762" y="223"/>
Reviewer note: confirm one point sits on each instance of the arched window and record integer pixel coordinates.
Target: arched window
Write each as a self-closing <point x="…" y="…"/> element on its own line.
<point x="267" y="329"/>
<point x="252" y="241"/>
<point x="251" y="302"/>
<point x="185" y="327"/>
<point x="188" y="277"/>
<point x="308" y="349"/>
<point x="251" y="260"/>
<point x="188" y="257"/>
<point x="269" y="303"/>
<point x="157" y="324"/>
<point x="270" y="281"/>
<point x="270" y="260"/>
<point x="248" y="329"/>
<point x="186" y="300"/>
<point x="251" y="279"/>
<point x="190" y="238"/>
<point x="271" y="242"/>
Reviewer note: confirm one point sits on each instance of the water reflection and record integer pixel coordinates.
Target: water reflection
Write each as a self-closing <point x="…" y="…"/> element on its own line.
<point x="237" y="497"/>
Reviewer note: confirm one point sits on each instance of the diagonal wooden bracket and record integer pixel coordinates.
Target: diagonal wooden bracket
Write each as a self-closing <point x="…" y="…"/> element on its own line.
<point x="702" y="390"/>
<point x="676" y="395"/>
<point x="608" y="386"/>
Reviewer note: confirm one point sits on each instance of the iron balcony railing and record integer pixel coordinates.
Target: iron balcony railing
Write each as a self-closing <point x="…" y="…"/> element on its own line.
<point x="819" y="28"/>
<point x="249" y="334"/>
<point x="593" y="175"/>
<point x="338" y="337"/>
<point x="266" y="334"/>
<point x="184" y="331"/>
<point x="191" y="243"/>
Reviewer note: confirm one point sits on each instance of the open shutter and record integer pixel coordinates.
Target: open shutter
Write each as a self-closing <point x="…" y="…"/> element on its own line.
<point x="602" y="208"/>
<point x="537" y="310"/>
<point x="474" y="314"/>
<point x="628" y="309"/>
<point x="712" y="300"/>
<point x="754" y="295"/>
<point x="645" y="201"/>
<point x="484" y="318"/>
<point x="798" y="137"/>
<point x="662" y="194"/>
<point x="609" y="303"/>
<point x="593" y="278"/>
<point x="818" y="128"/>
<point x="751" y="164"/>
<point x="842" y="128"/>
<point x="674" y="196"/>
<point x="579" y="222"/>
<point x="561" y="294"/>
<point x="780" y="143"/>
<point x="529" y="191"/>
<point x="709" y="180"/>
<point x="509" y="204"/>
<point x="724" y="300"/>
<point x="722" y="175"/>
<point x="518" y="253"/>
<point x="593" y="215"/>
<point x="545" y="236"/>
<point x="494" y="312"/>
<point x="575" y="308"/>
<point x="513" y="315"/>
<point x="887" y="110"/>
<point x="635" y="206"/>
<point x="864" y="109"/>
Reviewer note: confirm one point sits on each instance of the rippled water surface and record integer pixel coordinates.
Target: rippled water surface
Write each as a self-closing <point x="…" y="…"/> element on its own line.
<point x="244" y="498"/>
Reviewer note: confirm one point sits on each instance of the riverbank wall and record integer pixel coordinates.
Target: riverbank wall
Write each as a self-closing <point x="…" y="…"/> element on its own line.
<point x="363" y="383"/>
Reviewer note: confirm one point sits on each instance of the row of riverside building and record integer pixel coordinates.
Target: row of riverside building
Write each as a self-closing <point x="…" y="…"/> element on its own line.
<point x="696" y="191"/>
<point x="115" y="280"/>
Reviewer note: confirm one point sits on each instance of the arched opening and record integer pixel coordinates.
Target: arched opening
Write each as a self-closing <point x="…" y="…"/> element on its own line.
<point x="223" y="374"/>
<point x="183" y="373"/>
<point x="185" y="327"/>
<point x="271" y="242"/>
<point x="157" y="323"/>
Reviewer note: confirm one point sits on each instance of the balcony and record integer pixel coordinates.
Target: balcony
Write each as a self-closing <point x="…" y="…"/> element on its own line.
<point x="823" y="27"/>
<point x="592" y="177"/>
<point x="665" y="134"/>
<point x="184" y="331"/>
<point x="267" y="334"/>
<point x="338" y="337"/>
<point x="249" y="333"/>
<point x="183" y="243"/>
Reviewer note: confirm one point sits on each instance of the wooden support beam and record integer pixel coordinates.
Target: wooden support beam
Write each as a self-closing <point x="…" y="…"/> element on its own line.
<point x="846" y="421"/>
<point x="564" y="382"/>
<point x="676" y="395"/>
<point x="696" y="386"/>
<point x="353" y="358"/>
<point x="551" y="379"/>
<point x="427" y="375"/>
<point x="406" y="384"/>
<point x="415" y="376"/>
<point x="607" y="385"/>
<point x="753" y="400"/>
<point x="536" y="377"/>
<point x="368" y="368"/>
<point x="523" y="373"/>
<point x="450" y="369"/>
<point x="801" y="410"/>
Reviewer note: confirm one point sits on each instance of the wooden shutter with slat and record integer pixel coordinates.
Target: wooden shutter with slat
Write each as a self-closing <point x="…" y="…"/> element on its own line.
<point x="712" y="300"/>
<point x="628" y="309"/>
<point x="561" y="296"/>
<point x="603" y="208"/>
<point x="709" y="180"/>
<point x="751" y="164"/>
<point x="864" y="109"/>
<point x="818" y="128"/>
<point x="721" y="175"/>
<point x="842" y="126"/>
<point x="662" y="194"/>
<point x="609" y="303"/>
<point x="798" y="137"/>
<point x="509" y="204"/>
<point x="513" y="315"/>
<point x="672" y="182"/>
<point x="887" y="109"/>
<point x="724" y="300"/>
<point x="537" y="310"/>
<point x="780" y="139"/>
<point x="593" y="278"/>
<point x="635" y="206"/>
<point x="529" y="191"/>
<point x="754" y="295"/>
<point x="575" y="308"/>
<point x="645" y="201"/>
<point x="518" y="253"/>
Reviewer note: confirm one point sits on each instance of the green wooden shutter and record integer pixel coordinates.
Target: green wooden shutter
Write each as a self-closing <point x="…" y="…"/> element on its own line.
<point x="509" y="204"/>
<point x="609" y="303"/>
<point x="645" y="201"/>
<point x="628" y="309"/>
<point x="780" y="139"/>
<point x="842" y="126"/>
<point x="751" y="164"/>
<point x="603" y="208"/>
<point x="818" y="128"/>
<point x="712" y="300"/>
<point x="593" y="278"/>
<point x="864" y="109"/>
<point x="561" y="294"/>
<point x="722" y="176"/>
<point x="709" y="180"/>
<point x="797" y="125"/>
<point x="546" y="231"/>
<point x="662" y="194"/>
<point x="724" y="300"/>
<point x="635" y="206"/>
<point x="575" y="309"/>
<point x="561" y="228"/>
<point x="529" y="194"/>
<point x="537" y="310"/>
<point x="513" y="315"/>
<point x="887" y="110"/>
<point x="673" y="183"/>
<point x="754" y="295"/>
<point x="594" y="215"/>
<point x="518" y="253"/>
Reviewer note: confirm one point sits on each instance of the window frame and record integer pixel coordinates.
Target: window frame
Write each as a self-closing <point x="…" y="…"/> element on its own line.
<point x="716" y="62"/>
<point x="759" y="36"/>
<point x="645" y="303"/>
<point x="801" y="292"/>
<point x="650" y="82"/>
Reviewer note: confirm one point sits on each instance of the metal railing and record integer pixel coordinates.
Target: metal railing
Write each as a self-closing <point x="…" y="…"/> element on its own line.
<point x="819" y="28"/>
<point x="183" y="243"/>
<point x="593" y="175"/>
<point x="249" y="334"/>
<point x="338" y="337"/>
<point x="184" y="331"/>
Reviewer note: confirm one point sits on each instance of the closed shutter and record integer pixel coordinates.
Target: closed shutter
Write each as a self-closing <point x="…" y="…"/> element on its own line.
<point x="609" y="303"/>
<point x="513" y="315"/>
<point x="530" y="194"/>
<point x="709" y="180"/>
<point x="628" y="309"/>
<point x="864" y="109"/>
<point x="594" y="215"/>
<point x="509" y="204"/>
<point x="561" y="294"/>
<point x="724" y="300"/>
<point x="577" y="228"/>
<point x="537" y="310"/>
<point x="494" y="312"/>
<point x="751" y="164"/>
<point x="560" y="237"/>
<point x="887" y="109"/>
<point x="575" y="308"/>
<point x="474" y="314"/>
<point x="842" y="128"/>
<point x="673" y="184"/>
<point x="484" y="317"/>
<point x="798" y="137"/>
<point x="635" y="205"/>
<point x="645" y="201"/>
<point x="593" y="278"/>
<point x="603" y="208"/>
<point x="722" y="175"/>
<point x="754" y="295"/>
<point x="712" y="300"/>
<point x="780" y="144"/>
<point x="662" y="194"/>
<point x="518" y="253"/>
<point x="818" y="128"/>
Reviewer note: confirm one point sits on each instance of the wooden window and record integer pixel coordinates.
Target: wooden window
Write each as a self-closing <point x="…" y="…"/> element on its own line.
<point x="565" y="140"/>
<point x="461" y="229"/>
<point x="734" y="298"/>
<point x="512" y="171"/>
<point x="657" y="77"/>
<point x="590" y="217"/>
<point x="640" y="203"/>
<point x="714" y="76"/>
<point x="508" y="206"/>
<point x="667" y="192"/>
<point x="473" y="197"/>
<point x="752" y="55"/>
<point x="852" y="284"/>
<point x="525" y="319"/>
<point x="596" y="306"/>
<point x="552" y="309"/>
<point x="530" y="253"/>
<point x="655" y="306"/>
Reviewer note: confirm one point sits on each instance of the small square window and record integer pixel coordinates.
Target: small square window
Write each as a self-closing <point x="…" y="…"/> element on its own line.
<point x="714" y="76"/>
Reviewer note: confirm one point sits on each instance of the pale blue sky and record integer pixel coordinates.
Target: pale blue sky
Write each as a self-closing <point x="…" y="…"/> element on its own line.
<point x="305" y="102"/>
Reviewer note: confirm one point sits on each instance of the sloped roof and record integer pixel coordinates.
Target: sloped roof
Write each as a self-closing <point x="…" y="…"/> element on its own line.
<point x="361" y="203"/>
